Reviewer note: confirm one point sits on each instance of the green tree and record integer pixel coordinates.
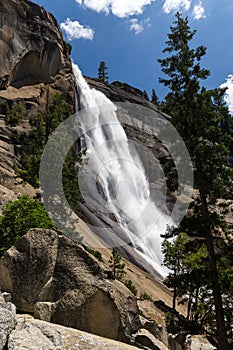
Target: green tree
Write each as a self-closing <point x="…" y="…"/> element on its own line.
<point x="173" y="252"/>
<point x="154" y="98"/>
<point x="145" y="95"/>
<point x="42" y="125"/>
<point x="18" y="217"/>
<point x="116" y="265"/>
<point x="103" y="72"/>
<point x="14" y="115"/>
<point x="198" y="117"/>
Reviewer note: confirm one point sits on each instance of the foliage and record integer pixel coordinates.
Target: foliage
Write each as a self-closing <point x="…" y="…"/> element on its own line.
<point x="170" y="323"/>
<point x="67" y="49"/>
<point x="103" y="72"/>
<point x="42" y="124"/>
<point x="18" y="217"/>
<point x="70" y="178"/>
<point x="95" y="253"/>
<point x="154" y="98"/>
<point x="32" y="145"/>
<point x="25" y="5"/>
<point x="129" y="284"/>
<point x="201" y="117"/>
<point x="145" y="95"/>
<point x="14" y="115"/>
<point x="146" y="296"/>
<point x="116" y="265"/>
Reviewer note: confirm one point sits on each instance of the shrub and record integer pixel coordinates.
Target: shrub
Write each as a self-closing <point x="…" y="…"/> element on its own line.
<point x="96" y="253"/>
<point x="129" y="284"/>
<point x="67" y="49"/>
<point x="25" y="5"/>
<point x="145" y="296"/>
<point x="14" y="115"/>
<point x="18" y="217"/>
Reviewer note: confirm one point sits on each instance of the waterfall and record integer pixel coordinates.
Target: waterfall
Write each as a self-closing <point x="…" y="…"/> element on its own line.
<point x="121" y="176"/>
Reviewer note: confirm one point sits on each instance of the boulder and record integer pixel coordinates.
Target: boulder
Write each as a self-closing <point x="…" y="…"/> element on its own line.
<point x="39" y="335"/>
<point x="58" y="280"/>
<point x="196" y="342"/>
<point x="148" y="341"/>
<point x="7" y="320"/>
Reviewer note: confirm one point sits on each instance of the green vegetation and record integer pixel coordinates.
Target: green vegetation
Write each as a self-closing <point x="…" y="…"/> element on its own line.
<point x="103" y="72"/>
<point x="95" y="253"/>
<point x="129" y="284"/>
<point x="145" y="95"/>
<point x="42" y="125"/>
<point x="25" y="5"/>
<point x="116" y="265"/>
<point x="154" y="98"/>
<point x="14" y="115"/>
<point x="146" y="296"/>
<point x="33" y="142"/>
<point x="201" y="267"/>
<point x="67" y="49"/>
<point x="18" y="217"/>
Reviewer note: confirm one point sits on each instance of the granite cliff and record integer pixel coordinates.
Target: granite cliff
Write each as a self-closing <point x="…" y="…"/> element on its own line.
<point x="34" y="65"/>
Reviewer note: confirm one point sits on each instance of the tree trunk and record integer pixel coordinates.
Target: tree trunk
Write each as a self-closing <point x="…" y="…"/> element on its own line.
<point x="221" y="329"/>
<point x="189" y="307"/>
<point x="174" y="299"/>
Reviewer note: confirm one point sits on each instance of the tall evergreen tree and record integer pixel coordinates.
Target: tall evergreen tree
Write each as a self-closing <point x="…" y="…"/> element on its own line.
<point x="197" y="115"/>
<point x="154" y="97"/>
<point x="103" y="72"/>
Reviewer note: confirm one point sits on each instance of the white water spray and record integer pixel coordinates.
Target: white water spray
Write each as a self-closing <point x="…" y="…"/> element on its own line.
<point x="116" y="166"/>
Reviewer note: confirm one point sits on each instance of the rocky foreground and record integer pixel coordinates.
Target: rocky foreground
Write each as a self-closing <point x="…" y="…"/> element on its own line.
<point x="49" y="280"/>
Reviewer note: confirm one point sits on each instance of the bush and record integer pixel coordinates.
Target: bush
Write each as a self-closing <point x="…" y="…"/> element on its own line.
<point x="96" y="253"/>
<point x="14" y="115"/>
<point x="145" y="296"/>
<point x="129" y="284"/>
<point x="18" y="217"/>
<point x="25" y="5"/>
<point x="67" y="49"/>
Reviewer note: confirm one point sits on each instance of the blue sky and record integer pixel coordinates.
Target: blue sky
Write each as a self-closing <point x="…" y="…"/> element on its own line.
<point x="129" y="35"/>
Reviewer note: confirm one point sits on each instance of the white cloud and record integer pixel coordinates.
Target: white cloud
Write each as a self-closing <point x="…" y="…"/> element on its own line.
<point x="199" y="11"/>
<point x="75" y="30"/>
<point x="138" y="26"/>
<point x="119" y="8"/>
<point x="229" y="92"/>
<point x="176" y="5"/>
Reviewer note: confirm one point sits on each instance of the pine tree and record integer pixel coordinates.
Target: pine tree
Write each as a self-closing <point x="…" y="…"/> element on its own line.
<point x="154" y="98"/>
<point x="145" y="95"/>
<point x="116" y="265"/>
<point x="103" y="72"/>
<point x="198" y="117"/>
<point x="173" y="255"/>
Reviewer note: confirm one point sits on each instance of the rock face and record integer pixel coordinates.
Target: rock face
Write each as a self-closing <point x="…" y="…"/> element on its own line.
<point x="58" y="279"/>
<point x="197" y="342"/>
<point x="39" y="335"/>
<point x="7" y="320"/>
<point x="32" y="42"/>
<point x="34" y="65"/>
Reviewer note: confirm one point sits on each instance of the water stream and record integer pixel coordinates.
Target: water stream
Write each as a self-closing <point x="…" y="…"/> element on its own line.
<point x="116" y="169"/>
